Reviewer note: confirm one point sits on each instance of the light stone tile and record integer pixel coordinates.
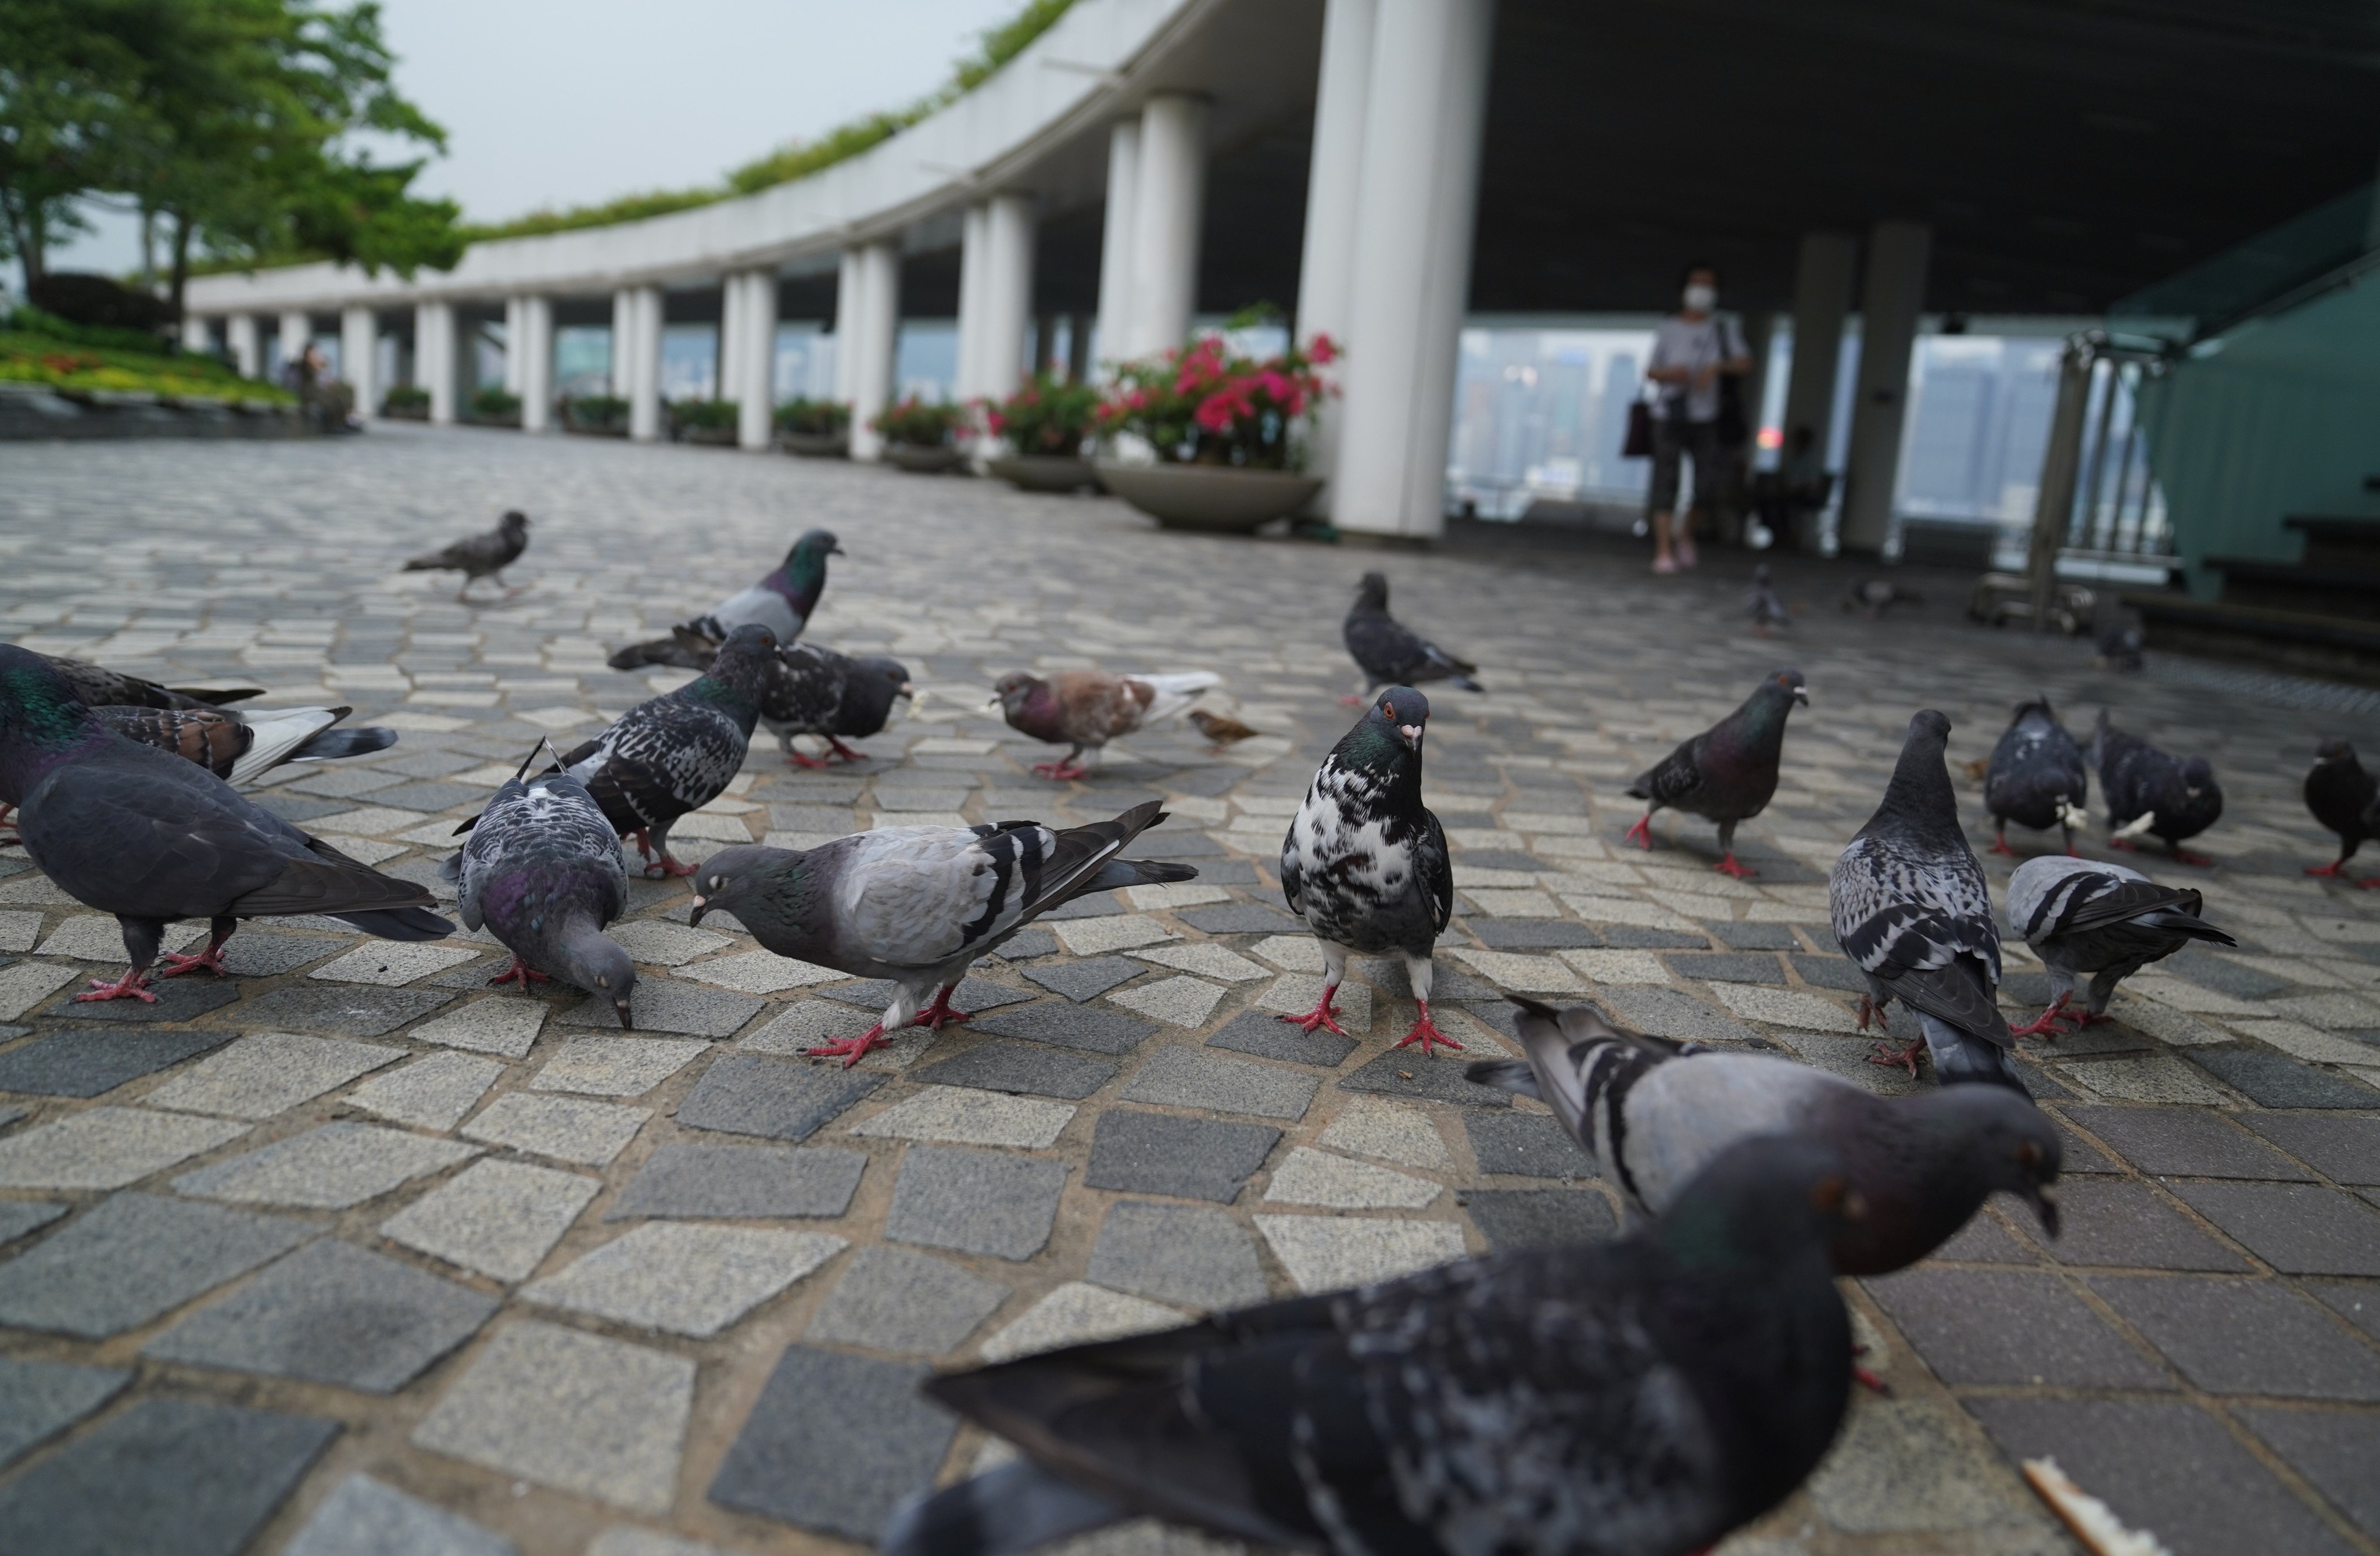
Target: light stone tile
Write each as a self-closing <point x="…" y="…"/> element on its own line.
<point x="662" y="943"/>
<point x="1327" y="1253"/>
<point x="683" y="1278"/>
<point x="374" y="821"/>
<point x="1390" y="1131"/>
<point x="1527" y="975"/>
<point x="1617" y="967"/>
<point x="1315" y="1178"/>
<point x="1076" y="1314"/>
<point x="1468" y="876"/>
<point x="2198" y="999"/>
<point x="1177" y="893"/>
<point x="1512" y="904"/>
<point x="1785" y="1007"/>
<point x="760" y="972"/>
<point x="93" y="937"/>
<point x="2297" y="1039"/>
<point x="564" y="1129"/>
<point x="1295" y="994"/>
<point x="1117" y="931"/>
<point x="266" y="1073"/>
<point x="2154" y="1077"/>
<point x="391" y="963"/>
<point x="433" y="1092"/>
<point x="502" y="1025"/>
<point x="963" y="1115"/>
<point x="362" y="1517"/>
<point x="20" y="931"/>
<point x="32" y="888"/>
<point x="806" y="1024"/>
<point x="2163" y="1022"/>
<point x="106" y="1147"/>
<point x="368" y="850"/>
<point x="616" y="1066"/>
<point x="1546" y="821"/>
<point x="332" y="1168"/>
<point x="1291" y="952"/>
<point x="26" y="984"/>
<point x="2340" y="1010"/>
<point x="1698" y="905"/>
<point x="557" y="717"/>
<point x="1204" y="958"/>
<point x="498" y="1217"/>
<point x="717" y="829"/>
<point x="1598" y="908"/>
<point x="1181" y="1001"/>
<point x="626" y="1539"/>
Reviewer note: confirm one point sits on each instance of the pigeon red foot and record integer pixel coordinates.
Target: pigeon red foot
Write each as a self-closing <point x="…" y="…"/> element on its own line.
<point x="2046" y="1024"/>
<point x="1641" y="832"/>
<point x="208" y="960"/>
<point x="935" y="1014"/>
<point x="1999" y="844"/>
<point x="1064" y="772"/>
<point x="1321" y="1014"/>
<point x="666" y="865"/>
<point x="520" y="972"/>
<point x="2184" y="857"/>
<point x="848" y="1049"/>
<point x="796" y="758"/>
<point x="1894" y="1057"/>
<point x="128" y="986"/>
<point x="1425" y="1032"/>
<point x="847" y="753"/>
<point x="1729" y="866"/>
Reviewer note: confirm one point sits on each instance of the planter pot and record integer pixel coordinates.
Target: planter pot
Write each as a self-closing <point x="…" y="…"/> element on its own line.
<point x="816" y="446"/>
<point x="405" y="413"/>
<point x="596" y="429"/>
<point x="511" y="419"/>
<point x="710" y="437"/>
<point x="1044" y="472"/>
<point x="1210" y="497"/>
<point x="925" y="460"/>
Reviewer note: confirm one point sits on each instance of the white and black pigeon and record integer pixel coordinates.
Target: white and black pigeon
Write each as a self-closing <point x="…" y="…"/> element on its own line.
<point x="1640" y="1397"/>
<point x="1365" y="862"/>
<point x="2095" y="925"/>
<point x="783" y="603"/>
<point x="1911" y="908"/>
<point x="816" y="691"/>
<point x="1390" y="654"/>
<point x="541" y="872"/>
<point x="1760" y="603"/>
<point x="1653" y="1114"/>
<point x="484" y="555"/>
<point x="1728" y="774"/>
<point x="2345" y="798"/>
<point x="2149" y="791"/>
<point x="677" y="752"/>
<point x="242" y="748"/>
<point x="2037" y="777"/>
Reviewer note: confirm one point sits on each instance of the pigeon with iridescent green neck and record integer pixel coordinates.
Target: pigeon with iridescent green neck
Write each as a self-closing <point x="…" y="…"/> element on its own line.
<point x="783" y="602"/>
<point x="1728" y="774"/>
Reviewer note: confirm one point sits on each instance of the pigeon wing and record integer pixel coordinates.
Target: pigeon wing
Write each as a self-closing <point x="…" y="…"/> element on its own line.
<point x="214" y="740"/>
<point x="1675" y="777"/>
<point x="1433" y="872"/>
<point x="1923" y="929"/>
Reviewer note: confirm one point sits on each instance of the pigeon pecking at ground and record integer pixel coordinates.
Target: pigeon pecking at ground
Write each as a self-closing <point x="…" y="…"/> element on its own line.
<point x="677" y="752"/>
<point x="96" y="686"/>
<point x="1653" y="1114"/>
<point x="1632" y="1398"/>
<point x="1365" y="862"/>
<point x="1085" y="709"/>
<point x="2148" y="791"/>
<point x="1909" y="905"/>
<point x="1873" y="597"/>
<point x="1219" y="730"/>
<point x="814" y="690"/>
<point x="1728" y="774"/>
<point x="1760" y="603"/>
<point x="917" y="904"/>
<point x="240" y="749"/>
<point x="1390" y="654"/>
<point x="133" y="831"/>
<point x="2346" y="800"/>
<point x="783" y="603"/>
<point x="540" y="872"/>
<point x="480" y="556"/>
<point x="2037" y="777"/>
<point x="2097" y="924"/>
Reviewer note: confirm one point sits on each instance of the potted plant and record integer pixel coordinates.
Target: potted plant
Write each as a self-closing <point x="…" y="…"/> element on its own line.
<point x="404" y="402"/>
<point x="601" y="415"/>
<point x="921" y="435"/>
<point x="1227" y="431"/>
<point x="704" y="421"/>
<point x="493" y="407"/>
<point x="814" y="429"/>
<point x="1046" y="421"/>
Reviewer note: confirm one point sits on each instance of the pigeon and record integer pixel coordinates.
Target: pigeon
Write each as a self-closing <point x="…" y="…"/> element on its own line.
<point x="1653" y="1114"/>
<point x="541" y="872"/>
<point x="917" y="904"/>
<point x="241" y="749"/>
<point x="1760" y="603"/>
<point x="783" y="603"/>
<point x="1640" y="1397"/>
<point x="1728" y="774"/>
<point x="1390" y="654"/>
<point x="2148" y="791"/>
<point x="2037" y="777"/>
<point x="813" y="690"/>
<point x="2346" y="800"/>
<point x="677" y="752"/>
<point x="2099" y="923"/>
<point x="1910" y="906"/>
<point x="144" y="835"/>
<point x="1085" y="709"/>
<point x="1873" y="597"/>
<point x="1365" y="862"/>
<point x="480" y="556"/>
<point x="96" y="686"/>
<point x="2116" y="633"/>
<point x="1219" y="730"/>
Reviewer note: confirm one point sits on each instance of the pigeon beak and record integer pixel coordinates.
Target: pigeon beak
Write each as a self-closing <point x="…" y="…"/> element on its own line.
<point x="2045" y="1205"/>
<point x="1854" y="1205"/>
<point x="1411" y="734"/>
<point x="995" y="700"/>
<point x="1802" y="696"/>
<point x="627" y="1023"/>
<point x="907" y="690"/>
<point x="836" y="550"/>
<point x="701" y="906"/>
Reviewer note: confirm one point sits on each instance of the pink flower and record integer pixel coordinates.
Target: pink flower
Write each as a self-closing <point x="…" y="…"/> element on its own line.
<point x="1324" y="350"/>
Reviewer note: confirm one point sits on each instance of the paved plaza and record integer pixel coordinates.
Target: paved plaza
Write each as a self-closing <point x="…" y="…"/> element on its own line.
<point x="355" y="1254"/>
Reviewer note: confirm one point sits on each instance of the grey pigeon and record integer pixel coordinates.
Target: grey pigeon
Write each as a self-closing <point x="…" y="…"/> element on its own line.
<point x="679" y="751"/>
<point x="2148" y="791"/>
<point x="2037" y="777"/>
<point x="240" y="749"/>
<point x="782" y="602"/>
<point x="1365" y="862"/>
<point x="144" y="835"/>
<point x="2346" y="800"/>
<point x="1653" y="1114"/>
<point x="917" y="904"/>
<point x="1910" y="906"/>
<point x="1873" y="597"/>
<point x="814" y="690"/>
<point x="541" y="872"/>
<point x="2097" y="924"/>
<point x="480" y="556"/>
<point x="1390" y="654"/>
<point x="1728" y="774"/>
<point x="1760" y="603"/>
<point x="1633" y="1398"/>
<point x="96" y="686"/>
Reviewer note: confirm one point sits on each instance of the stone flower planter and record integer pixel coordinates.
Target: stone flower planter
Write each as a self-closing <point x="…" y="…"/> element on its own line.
<point x="405" y="413"/>
<point x="925" y="460"/>
<point x="1044" y="472"/>
<point x="816" y="446"/>
<point x="1217" y="498"/>
<point x="710" y="437"/>
<point x="510" y="419"/>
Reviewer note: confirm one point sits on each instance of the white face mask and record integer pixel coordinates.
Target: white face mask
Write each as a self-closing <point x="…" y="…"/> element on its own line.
<point x="1700" y="298"/>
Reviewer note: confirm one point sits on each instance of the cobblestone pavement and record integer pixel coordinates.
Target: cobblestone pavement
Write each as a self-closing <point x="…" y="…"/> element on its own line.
<point x="353" y="1254"/>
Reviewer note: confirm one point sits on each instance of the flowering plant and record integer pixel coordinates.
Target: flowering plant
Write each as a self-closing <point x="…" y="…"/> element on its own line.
<point x="1198" y="406"/>
<point x="1046" y="416"/>
<point x="922" y="423"/>
<point x="813" y="417"/>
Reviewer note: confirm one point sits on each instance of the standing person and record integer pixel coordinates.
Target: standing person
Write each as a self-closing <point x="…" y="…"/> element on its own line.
<point x="1690" y="349"/>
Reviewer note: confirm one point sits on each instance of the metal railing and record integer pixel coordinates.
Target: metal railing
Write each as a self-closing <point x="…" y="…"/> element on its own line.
<point x="2098" y="505"/>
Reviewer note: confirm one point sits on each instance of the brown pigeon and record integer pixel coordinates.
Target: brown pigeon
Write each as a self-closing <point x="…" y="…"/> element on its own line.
<point x="1085" y="709"/>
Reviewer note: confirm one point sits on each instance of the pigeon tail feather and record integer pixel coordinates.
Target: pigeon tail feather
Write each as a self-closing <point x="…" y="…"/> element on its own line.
<point x="1174" y="693"/>
<point x="1118" y="873"/>
<point x="399" y="923"/>
<point x="1961" y="1058"/>
<point x="334" y="744"/>
<point x="1014" y="1508"/>
<point x="277" y="736"/>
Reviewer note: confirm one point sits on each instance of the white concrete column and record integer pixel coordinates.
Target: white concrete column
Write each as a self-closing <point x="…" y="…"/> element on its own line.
<point x="1898" y="253"/>
<point x="756" y="395"/>
<point x="513" y="357"/>
<point x="297" y="334"/>
<point x="1424" y="120"/>
<point x="196" y="335"/>
<point x="1006" y="298"/>
<point x="623" y="328"/>
<point x="1822" y="298"/>
<point x="239" y="339"/>
<point x="435" y="364"/>
<point x="727" y="370"/>
<point x="360" y="358"/>
<point x="876" y="331"/>
<point x="534" y="348"/>
<point x="1325" y="273"/>
<point x="1172" y="198"/>
<point x="847" y="309"/>
<point x="1116" y="231"/>
<point x="967" y="380"/>
<point x="645" y="364"/>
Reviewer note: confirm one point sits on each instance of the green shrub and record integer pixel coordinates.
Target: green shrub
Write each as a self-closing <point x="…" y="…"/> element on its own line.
<point x="712" y="415"/>
<point x="104" y="337"/>
<point x="918" y="422"/>
<point x="405" y="396"/>
<point x="813" y="417"/>
<point x="595" y="410"/>
<point x="37" y="356"/>
<point x="491" y="402"/>
<point x="1046" y="416"/>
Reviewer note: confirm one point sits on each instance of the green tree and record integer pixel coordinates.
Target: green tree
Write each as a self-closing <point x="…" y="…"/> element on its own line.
<point x="63" y="109"/>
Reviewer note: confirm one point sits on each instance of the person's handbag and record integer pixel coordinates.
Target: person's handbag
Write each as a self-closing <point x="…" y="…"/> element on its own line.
<point x="1638" y="442"/>
<point x="1733" y="426"/>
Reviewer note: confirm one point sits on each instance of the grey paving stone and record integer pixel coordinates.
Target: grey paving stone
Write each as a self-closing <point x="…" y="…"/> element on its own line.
<point x="1097" y="1031"/>
<point x="565" y="1128"/>
<point x="426" y="764"/>
<point x="331" y="1313"/>
<point x="498" y="1217"/>
<point x="430" y="796"/>
<point x="779" y="1099"/>
<point x="2334" y="1450"/>
<point x="2006" y="1326"/>
<point x="1098" y="904"/>
<point x="2345" y="1151"/>
<point x="2356" y="1301"/>
<point x="87" y="1063"/>
<point x="41" y="1399"/>
<point x="498" y="1024"/>
<point x="1672" y="1013"/>
<point x="2245" y="1337"/>
<point x="19" y="1216"/>
<point x="2123" y="1224"/>
<point x="740" y="1182"/>
<point x="2276" y="1081"/>
<point x="1447" y="982"/>
<point x="1021" y="1067"/>
<point x="1026" y="944"/>
<point x="2080" y="1156"/>
<point x="687" y="1280"/>
<point x="1188" y="1254"/>
<point x="267" y="1073"/>
<point x="2205" y="968"/>
<point x="432" y="1092"/>
<point x="1533" y="934"/>
<point x="178" y="1000"/>
<point x="1189" y="1077"/>
<point x="900" y="1300"/>
<point x="2295" y="1228"/>
<point x="1728" y="967"/>
<point x="1187" y="1158"/>
<point x="1985" y="1241"/>
<point x="2185" y="1142"/>
<point x="616" y="1066"/>
<point x="298" y="808"/>
<point x="1086" y="978"/>
<point x="1403" y="1073"/>
<point x="1631" y="937"/>
<point x="132" y="1257"/>
<point x="331" y="1168"/>
<point x="1539" y="1218"/>
<point x="1756" y="937"/>
<point x="1236" y="918"/>
<point x="667" y="1005"/>
<point x="167" y="1477"/>
<point x="1534" y="1144"/>
<point x="833" y="1442"/>
<point x="346" y="1010"/>
<point x="976" y="1201"/>
<point x="972" y="994"/>
<point x="1829" y="972"/>
<point x="1266" y="1035"/>
<point x="362" y="1517"/>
